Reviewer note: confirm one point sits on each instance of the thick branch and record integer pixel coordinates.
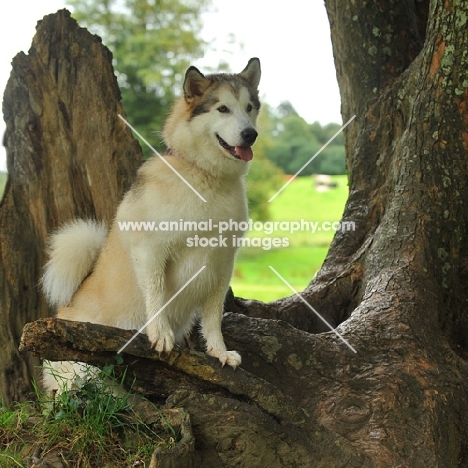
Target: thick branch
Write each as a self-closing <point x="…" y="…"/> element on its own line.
<point x="55" y="339"/>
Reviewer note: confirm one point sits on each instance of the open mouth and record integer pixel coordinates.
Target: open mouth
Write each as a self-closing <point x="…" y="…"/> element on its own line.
<point x="239" y="152"/>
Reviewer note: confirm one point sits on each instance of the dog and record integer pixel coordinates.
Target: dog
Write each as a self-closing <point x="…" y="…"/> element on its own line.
<point x="125" y="278"/>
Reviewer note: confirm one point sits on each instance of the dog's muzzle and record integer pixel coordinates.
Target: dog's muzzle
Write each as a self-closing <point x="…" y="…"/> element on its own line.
<point x="243" y="152"/>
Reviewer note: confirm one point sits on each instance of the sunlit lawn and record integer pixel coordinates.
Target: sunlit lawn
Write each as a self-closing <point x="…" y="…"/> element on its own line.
<point x="306" y="252"/>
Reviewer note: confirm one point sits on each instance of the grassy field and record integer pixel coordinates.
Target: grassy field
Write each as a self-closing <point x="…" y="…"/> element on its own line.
<point x="306" y="252"/>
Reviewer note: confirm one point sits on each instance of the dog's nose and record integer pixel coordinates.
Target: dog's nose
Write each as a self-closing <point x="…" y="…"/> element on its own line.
<point x="249" y="135"/>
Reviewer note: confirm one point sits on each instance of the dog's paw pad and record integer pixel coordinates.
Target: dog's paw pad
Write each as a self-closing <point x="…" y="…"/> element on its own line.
<point x="231" y="358"/>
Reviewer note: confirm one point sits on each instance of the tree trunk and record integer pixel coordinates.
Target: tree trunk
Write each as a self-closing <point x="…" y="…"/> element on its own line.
<point x="68" y="155"/>
<point x="396" y="288"/>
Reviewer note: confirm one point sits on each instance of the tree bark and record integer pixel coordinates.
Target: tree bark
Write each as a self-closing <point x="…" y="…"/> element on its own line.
<point x="396" y="288"/>
<point x="68" y="155"/>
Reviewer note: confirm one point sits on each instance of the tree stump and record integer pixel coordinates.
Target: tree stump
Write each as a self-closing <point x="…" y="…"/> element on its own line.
<point x="68" y="155"/>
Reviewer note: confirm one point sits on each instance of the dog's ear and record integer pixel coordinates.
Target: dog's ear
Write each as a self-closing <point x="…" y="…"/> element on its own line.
<point x="252" y="72"/>
<point x="195" y="83"/>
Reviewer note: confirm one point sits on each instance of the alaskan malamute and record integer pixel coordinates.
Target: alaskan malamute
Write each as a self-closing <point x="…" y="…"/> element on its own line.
<point x="123" y="277"/>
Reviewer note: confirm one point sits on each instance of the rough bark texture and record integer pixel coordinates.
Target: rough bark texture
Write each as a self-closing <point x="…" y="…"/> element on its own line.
<point x="396" y="288"/>
<point x="68" y="155"/>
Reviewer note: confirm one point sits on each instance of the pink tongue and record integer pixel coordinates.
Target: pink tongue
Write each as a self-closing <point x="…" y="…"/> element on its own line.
<point x="244" y="152"/>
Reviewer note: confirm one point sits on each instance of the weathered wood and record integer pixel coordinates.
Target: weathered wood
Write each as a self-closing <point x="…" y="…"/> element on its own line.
<point x="182" y="454"/>
<point x="68" y="155"/>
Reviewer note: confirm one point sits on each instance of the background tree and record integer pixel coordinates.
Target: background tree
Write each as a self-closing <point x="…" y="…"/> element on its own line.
<point x="60" y="107"/>
<point x="296" y="142"/>
<point x="264" y="177"/>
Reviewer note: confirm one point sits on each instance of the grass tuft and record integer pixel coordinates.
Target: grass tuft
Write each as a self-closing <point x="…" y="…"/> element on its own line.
<point x="84" y="427"/>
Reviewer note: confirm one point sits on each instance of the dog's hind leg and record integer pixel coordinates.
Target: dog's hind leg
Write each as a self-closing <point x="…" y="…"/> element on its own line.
<point x="64" y="375"/>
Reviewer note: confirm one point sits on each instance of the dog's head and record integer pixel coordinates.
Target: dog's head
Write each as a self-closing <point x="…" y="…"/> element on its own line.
<point x="214" y="122"/>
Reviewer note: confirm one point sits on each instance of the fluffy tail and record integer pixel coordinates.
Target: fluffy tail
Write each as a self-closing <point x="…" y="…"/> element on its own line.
<point x="73" y="251"/>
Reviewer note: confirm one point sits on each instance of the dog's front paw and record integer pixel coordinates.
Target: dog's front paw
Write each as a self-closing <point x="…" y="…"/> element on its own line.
<point x="161" y="340"/>
<point x="231" y="358"/>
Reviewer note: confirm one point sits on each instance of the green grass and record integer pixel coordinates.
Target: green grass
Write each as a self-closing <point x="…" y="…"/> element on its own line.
<point x="82" y="427"/>
<point x="306" y="252"/>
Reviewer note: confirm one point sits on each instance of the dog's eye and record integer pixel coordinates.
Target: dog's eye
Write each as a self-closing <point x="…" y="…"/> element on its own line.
<point x="223" y="109"/>
<point x="249" y="107"/>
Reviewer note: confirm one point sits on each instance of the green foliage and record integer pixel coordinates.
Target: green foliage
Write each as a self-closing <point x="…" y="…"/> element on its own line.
<point x="87" y="425"/>
<point x="264" y="177"/>
<point x="153" y="42"/>
<point x="296" y="142"/>
<point x="263" y="180"/>
<point x="294" y="146"/>
<point x="332" y="161"/>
